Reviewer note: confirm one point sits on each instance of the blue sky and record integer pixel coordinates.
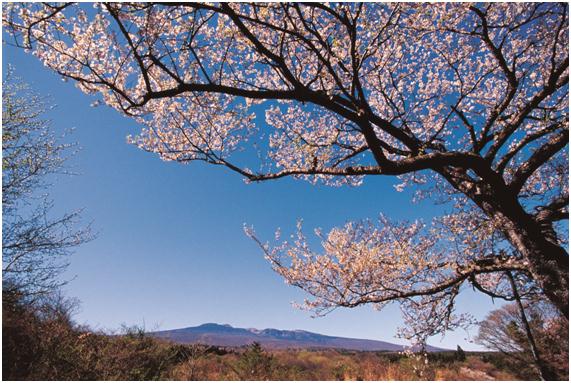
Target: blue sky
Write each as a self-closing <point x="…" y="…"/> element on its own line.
<point x="170" y="251"/>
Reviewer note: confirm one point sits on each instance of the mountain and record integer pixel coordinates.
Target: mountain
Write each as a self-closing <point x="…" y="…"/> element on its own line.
<point x="225" y="335"/>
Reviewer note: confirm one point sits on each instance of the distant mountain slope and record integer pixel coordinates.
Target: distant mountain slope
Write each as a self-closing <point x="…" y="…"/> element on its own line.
<point x="226" y="335"/>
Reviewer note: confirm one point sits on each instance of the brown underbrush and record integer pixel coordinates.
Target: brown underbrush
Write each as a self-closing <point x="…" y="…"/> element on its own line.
<point x="40" y="342"/>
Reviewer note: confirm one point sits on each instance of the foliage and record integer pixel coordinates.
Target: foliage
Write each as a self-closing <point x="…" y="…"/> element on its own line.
<point x="345" y="365"/>
<point x="255" y="364"/>
<point x="503" y="331"/>
<point x="34" y="245"/>
<point x="460" y="354"/>
<point x="469" y="100"/>
<point x="40" y="342"/>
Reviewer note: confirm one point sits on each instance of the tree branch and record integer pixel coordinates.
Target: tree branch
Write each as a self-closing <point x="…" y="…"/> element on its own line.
<point x="538" y="158"/>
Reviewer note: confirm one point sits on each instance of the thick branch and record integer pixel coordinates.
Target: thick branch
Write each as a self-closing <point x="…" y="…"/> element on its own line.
<point x="538" y="158"/>
<point x="557" y="210"/>
<point x="407" y="165"/>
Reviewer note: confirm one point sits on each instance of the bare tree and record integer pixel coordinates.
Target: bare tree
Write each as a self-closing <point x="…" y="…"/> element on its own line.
<point x="34" y="245"/>
<point x="506" y="330"/>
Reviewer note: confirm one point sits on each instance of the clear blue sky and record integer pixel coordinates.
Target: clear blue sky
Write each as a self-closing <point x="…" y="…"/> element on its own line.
<point x="170" y="250"/>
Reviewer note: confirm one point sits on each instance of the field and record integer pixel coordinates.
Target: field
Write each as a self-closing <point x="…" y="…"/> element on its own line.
<point x="244" y="364"/>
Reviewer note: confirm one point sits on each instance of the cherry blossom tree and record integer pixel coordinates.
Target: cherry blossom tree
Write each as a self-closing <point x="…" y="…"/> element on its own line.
<point x="469" y="102"/>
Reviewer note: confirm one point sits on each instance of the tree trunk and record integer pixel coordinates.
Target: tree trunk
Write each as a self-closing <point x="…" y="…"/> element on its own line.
<point x="548" y="260"/>
<point x="544" y="371"/>
<point x="549" y="264"/>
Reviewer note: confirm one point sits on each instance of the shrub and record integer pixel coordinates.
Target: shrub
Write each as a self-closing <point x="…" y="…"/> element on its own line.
<point x="255" y="364"/>
<point x="40" y="342"/>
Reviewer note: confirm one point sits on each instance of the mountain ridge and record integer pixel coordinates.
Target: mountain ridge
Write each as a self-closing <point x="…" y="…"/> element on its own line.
<point x="225" y="335"/>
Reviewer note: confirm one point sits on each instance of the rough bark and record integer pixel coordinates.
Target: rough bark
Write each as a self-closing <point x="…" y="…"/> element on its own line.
<point x="548" y="260"/>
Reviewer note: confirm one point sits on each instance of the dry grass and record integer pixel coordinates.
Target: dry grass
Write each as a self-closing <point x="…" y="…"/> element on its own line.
<point x="336" y="365"/>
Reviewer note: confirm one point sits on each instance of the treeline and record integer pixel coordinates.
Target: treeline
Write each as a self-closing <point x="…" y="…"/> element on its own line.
<point x="41" y="342"/>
